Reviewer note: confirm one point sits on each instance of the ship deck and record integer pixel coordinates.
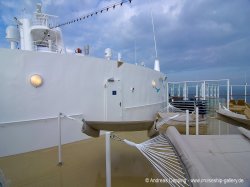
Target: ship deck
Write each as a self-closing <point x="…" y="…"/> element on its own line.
<point x="84" y="162"/>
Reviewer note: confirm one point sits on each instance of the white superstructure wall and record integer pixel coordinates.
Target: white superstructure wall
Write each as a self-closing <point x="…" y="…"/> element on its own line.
<point x="26" y="38"/>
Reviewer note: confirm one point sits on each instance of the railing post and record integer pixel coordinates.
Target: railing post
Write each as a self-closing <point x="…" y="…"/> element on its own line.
<point x="218" y="91"/>
<point x="214" y="92"/>
<point x="197" y="121"/>
<point x="187" y="122"/>
<point x="59" y="140"/>
<point x="246" y="93"/>
<point x="204" y="90"/>
<point x="196" y="92"/>
<point x="231" y="92"/>
<point x="228" y="84"/>
<point x="185" y="91"/>
<point x="167" y="93"/>
<point x="179" y="90"/>
<point x="108" y="160"/>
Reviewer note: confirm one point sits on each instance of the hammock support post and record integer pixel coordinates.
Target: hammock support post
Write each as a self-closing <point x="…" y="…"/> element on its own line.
<point x="59" y="140"/>
<point x="187" y="122"/>
<point x="59" y="125"/>
<point x="197" y="120"/>
<point x="108" y="159"/>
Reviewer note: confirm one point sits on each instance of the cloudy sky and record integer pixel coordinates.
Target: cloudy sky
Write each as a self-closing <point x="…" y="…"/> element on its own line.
<point x="200" y="39"/>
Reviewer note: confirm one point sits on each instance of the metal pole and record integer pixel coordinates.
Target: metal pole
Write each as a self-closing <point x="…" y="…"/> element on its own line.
<point x="185" y="91"/>
<point x="231" y="92"/>
<point x="196" y="92"/>
<point x="173" y="90"/>
<point x="207" y="90"/>
<point x="246" y="93"/>
<point x="218" y="91"/>
<point x="228" y="83"/>
<point x="204" y="90"/>
<point x="215" y="91"/>
<point x="167" y="93"/>
<point x="219" y="128"/>
<point x="108" y="160"/>
<point x="59" y="140"/>
<point x="211" y="91"/>
<point x="187" y="122"/>
<point x="153" y="25"/>
<point x="179" y="90"/>
<point x="197" y="121"/>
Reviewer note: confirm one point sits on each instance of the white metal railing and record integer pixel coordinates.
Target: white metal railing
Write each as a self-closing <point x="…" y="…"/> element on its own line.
<point x="246" y="94"/>
<point x="45" y="45"/>
<point x="212" y="91"/>
<point x="4" y="124"/>
<point x="150" y="104"/>
<point x="209" y="89"/>
<point x="42" y="19"/>
<point x="40" y="22"/>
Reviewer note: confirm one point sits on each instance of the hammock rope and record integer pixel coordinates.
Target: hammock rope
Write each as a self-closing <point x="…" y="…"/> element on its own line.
<point x="160" y="152"/>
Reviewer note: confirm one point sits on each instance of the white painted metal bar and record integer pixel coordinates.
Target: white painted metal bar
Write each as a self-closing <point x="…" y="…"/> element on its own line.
<point x="167" y="93"/>
<point x="219" y="128"/>
<point x="187" y="122"/>
<point x="172" y="94"/>
<point x="137" y="106"/>
<point x="179" y="90"/>
<point x="214" y="91"/>
<point x="245" y="92"/>
<point x="218" y="91"/>
<point x="185" y="91"/>
<point x="196" y="91"/>
<point x="240" y="85"/>
<point x="204" y="90"/>
<point x="207" y="91"/>
<point x="2" y="124"/>
<point x="60" y="115"/>
<point x="59" y="141"/>
<point x="228" y="100"/>
<point x="197" y="121"/>
<point x="211" y="89"/>
<point x="200" y="81"/>
<point x="108" y="160"/>
<point x="231" y="90"/>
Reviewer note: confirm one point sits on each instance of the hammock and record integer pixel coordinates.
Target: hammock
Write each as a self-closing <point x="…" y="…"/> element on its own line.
<point x="162" y="155"/>
<point x="172" y="109"/>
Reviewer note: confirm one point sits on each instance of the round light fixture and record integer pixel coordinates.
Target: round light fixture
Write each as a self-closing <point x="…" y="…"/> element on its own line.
<point x="36" y="80"/>
<point x="153" y="83"/>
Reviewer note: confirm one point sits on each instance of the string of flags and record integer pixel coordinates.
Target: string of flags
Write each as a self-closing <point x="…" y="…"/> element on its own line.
<point x="89" y="15"/>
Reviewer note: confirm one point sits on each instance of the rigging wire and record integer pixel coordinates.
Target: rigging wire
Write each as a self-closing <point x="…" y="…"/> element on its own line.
<point x="89" y="15"/>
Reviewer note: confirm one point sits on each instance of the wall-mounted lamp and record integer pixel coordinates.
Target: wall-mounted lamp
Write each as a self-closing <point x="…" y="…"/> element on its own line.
<point x="36" y="80"/>
<point x="153" y="83"/>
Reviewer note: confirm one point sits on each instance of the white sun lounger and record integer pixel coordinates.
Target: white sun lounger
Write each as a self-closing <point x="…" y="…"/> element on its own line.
<point x="225" y="157"/>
